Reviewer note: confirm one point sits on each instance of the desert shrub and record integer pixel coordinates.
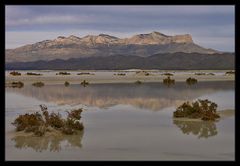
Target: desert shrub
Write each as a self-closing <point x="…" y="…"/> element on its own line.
<point x="82" y="73"/>
<point x="138" y="82"/>
<point x="39" y="124"/>
<point x="203" y="109"/>
<point x="18" y="84"/>
<point x="15" y="73"/>
<point x="66" y="83"/>
<point x="168" y="81"/>
<point x="34" y="74"/>
<point x="191" y="81"/>
<point x="84" y="83"/>
<point x="63" y="73"/>
<point x="120" y="74"/>
<point x="230" y="72"/>
<point x="167" y="74"/>
<point x="38" y="84"/>
<point x="200" y="73"/>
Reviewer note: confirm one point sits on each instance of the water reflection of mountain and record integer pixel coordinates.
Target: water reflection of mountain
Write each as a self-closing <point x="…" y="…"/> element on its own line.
<point x="202" y="129"/>
<point x="48" y="143"/>
<point x="153" y="96"/>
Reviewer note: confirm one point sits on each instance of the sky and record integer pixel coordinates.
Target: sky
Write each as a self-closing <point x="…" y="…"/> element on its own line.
<point x="210" y="26"/>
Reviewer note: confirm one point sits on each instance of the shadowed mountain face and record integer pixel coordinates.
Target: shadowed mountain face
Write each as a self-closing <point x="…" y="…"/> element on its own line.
<point x="167" y="61"/>
<point x="142" y="45"/>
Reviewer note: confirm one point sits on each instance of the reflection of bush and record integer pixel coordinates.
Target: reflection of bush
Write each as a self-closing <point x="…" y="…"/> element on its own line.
<point x="168" y="81"/>
<point x="51" y="142"/>
<point x="202" y="129"/>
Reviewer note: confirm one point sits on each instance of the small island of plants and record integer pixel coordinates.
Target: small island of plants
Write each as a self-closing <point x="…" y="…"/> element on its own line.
<point x="200" y="109"/>
<point x="40" y="123"/>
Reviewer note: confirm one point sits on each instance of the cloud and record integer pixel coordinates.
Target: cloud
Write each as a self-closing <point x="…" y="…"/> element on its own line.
<point x="202" y="22"/>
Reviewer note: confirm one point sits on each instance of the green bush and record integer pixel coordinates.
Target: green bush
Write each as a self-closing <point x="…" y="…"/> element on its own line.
<point x="203" y="109"/>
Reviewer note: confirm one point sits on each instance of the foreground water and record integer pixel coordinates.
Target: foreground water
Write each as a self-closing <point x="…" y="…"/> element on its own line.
<point x="124" y="122"/>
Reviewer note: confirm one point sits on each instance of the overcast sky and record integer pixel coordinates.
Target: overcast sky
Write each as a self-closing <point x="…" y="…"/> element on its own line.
<point x="210" y="26"/>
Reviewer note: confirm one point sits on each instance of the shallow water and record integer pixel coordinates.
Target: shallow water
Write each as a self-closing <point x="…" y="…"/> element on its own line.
<point x="125" y="122"/>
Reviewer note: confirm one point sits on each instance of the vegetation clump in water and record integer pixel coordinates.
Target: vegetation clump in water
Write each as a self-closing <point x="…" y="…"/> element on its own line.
<point x="191" y="81"/>
<point x="63" y="73"/>
<point x="34" y="74"/>
<point x="84" y="83"/>
<point x="39" y="124"/>
<point x="38" y="84"/>
<point x="15" y="73"/>
<point x="138" y="82"/>
<point x="18" y="84"/>
<point x="203" y="109"/>
<point x="168" y="81"/>
<point x="66" y="83"/>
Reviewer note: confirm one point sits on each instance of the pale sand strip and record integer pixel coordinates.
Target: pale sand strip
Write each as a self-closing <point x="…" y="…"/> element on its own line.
<point x="109" y="77"/>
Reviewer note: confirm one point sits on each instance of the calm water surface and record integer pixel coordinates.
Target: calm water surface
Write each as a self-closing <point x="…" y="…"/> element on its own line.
<point x="125" y="122"/>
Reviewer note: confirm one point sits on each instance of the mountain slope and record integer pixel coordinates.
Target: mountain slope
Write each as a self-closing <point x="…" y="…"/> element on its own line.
<point x="166" y="61"/>
<point x="143" y="45"/>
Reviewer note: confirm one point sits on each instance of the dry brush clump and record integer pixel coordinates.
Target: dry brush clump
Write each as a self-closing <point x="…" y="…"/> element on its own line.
<point x="203" y="109"/>
<point x="33" y="74"/>
<point x="38" y="84"/>
<point x="18" y="84"/>
<point x="40" y="123"/>
<point x="85" y="73"/>
<point x="15" y="73"/>
<point x="167" y="74"/>
<point x="191" y="81"/>
<point x="63" y="73"/>
<point x="230" y="72"/>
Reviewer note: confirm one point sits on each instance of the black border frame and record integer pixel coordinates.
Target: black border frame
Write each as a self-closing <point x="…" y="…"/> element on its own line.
<point x="130" y="2"/>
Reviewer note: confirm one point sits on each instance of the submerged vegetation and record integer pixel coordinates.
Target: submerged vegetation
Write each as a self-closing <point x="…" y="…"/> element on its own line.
<point x="38" y="84"/>
<point x="34" y="74"/>
<point x="191" y="81"/>
<point x="18" y="84"/>
<point x="15" y="73"/>
<point x="63" y="73"/>
<point x="168" y="81"/>
<point x="203" y="109"/>
<point x="40" y="123"/>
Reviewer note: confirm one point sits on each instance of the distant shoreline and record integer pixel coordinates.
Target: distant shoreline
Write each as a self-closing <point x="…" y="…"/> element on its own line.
<point x="116" y="76"/>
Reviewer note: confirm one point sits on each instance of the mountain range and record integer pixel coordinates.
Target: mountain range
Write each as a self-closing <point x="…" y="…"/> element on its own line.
<point x="104" y="49"/>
